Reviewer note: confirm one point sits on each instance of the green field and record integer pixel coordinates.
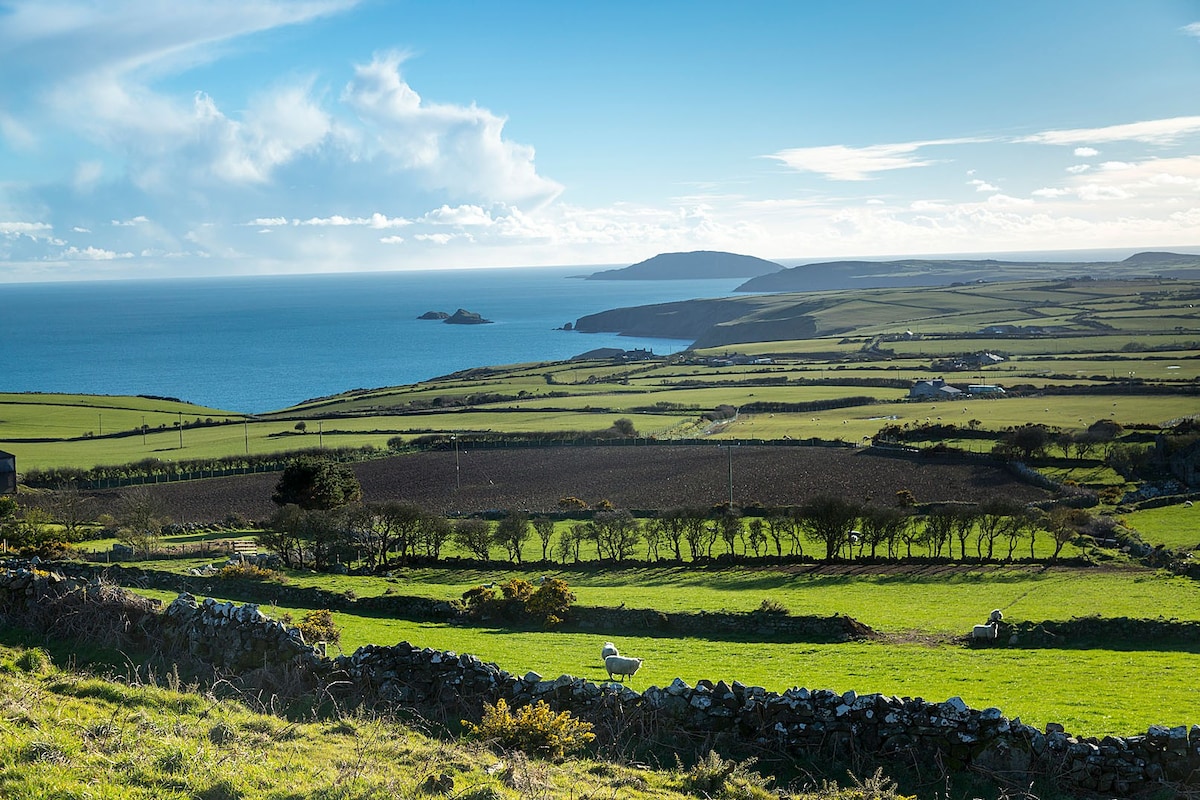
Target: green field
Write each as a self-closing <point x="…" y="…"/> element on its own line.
<point x="1176" y="527"/>
<point x="1040" y="686"/>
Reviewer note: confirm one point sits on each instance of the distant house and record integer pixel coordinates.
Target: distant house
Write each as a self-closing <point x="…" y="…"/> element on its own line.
<point x="935" y="389"/>
<point x="8" y="473"/>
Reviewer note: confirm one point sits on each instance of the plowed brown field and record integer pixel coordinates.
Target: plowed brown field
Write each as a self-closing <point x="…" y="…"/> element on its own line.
<point x="629" y="477"/>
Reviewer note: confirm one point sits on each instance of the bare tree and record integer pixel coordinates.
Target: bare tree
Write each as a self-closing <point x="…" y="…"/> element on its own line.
<point x="544" y="528"/>
<point x="829" y="520"/>
<point x="475" y="536"/>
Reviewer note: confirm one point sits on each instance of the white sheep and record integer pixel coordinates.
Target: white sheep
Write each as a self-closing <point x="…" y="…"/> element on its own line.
<point x="985" y="632"/>
<point x="621" y="665"/>
<point x="609" y="649"/>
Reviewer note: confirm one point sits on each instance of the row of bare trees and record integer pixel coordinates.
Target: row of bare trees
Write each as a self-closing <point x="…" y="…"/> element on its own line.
<point x="380" y="535"/>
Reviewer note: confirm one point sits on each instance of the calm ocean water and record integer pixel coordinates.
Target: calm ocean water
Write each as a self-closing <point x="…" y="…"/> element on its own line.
<point x="256" y="344"/>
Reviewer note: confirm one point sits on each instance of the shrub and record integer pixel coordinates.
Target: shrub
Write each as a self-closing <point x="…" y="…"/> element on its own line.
<point x="517" y="589"/>
<point x="714" y="777"/>
<point x="244" y="570"/>
<point x="35" y="660"/>
<point x="317" y="626"/>
<point x="772" y="607"/>
<point x="478" y="596"/>
<point x="534" y="729"/>
<point x="551" y="603"/>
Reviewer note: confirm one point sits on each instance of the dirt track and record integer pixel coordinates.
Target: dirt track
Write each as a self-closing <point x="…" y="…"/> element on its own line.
<point x="629" y="477"/>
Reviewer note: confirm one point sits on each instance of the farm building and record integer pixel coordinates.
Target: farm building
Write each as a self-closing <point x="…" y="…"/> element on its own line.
<point x="8" y="473"/>
<point x="935" y="389"/>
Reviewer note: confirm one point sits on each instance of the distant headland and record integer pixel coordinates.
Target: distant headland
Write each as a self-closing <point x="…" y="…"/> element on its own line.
<point x="696" y="265"/>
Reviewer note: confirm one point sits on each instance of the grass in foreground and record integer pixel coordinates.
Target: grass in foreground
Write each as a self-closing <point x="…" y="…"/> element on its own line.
<point x="72" y="736"/>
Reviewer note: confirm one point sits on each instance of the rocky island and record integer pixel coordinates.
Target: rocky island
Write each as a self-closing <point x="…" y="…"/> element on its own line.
<point x="460" y="317"/>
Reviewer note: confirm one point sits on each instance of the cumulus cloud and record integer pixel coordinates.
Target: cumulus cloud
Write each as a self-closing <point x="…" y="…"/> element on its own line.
<point x="129" y="223"/>
<point x="1193" y="29"/>
<point x="447" y="146"/>
<point x="983" y="186"/>
<point x="1086" y="152"/>
<point x="843" y="163"/>
<point x="1155" y="131"/>
<point x="1078" y="168"/>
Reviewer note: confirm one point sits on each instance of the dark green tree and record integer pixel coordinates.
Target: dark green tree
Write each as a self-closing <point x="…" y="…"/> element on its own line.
<point x="315" y="483"/>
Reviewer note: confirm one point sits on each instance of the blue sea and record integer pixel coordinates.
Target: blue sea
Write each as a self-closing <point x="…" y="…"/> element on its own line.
<point x="256" y="344"/>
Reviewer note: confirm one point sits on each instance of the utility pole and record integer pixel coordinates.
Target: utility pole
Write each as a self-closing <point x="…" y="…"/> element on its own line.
<point x="143" y="430"/>
<point x="246" y="429"/>
<point x="180" y="430"/>
<point x="320" y="434"/>
<point x="457" y="473"/>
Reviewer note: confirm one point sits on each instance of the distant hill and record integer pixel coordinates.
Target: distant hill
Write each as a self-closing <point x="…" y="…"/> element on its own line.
<point x="690" y="266"/>
<point x="718" y="322"/>
<point x="943" y="272"/>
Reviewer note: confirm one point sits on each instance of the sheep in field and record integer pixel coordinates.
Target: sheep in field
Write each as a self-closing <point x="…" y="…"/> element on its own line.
<point x="985" y="632"/>
<point x="609" y="649"/>
<point x="621" y="665"/>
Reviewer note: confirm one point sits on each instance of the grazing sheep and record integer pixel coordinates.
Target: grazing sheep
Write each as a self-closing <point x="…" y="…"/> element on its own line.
<point x="609" y="649"/>
<point x="621" y="665"/>
<point x="995" y="616"/>
<point x="985" y="632"/>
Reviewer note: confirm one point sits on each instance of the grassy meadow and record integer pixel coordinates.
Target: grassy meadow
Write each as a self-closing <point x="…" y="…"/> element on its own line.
<point x="1121" y="350"/>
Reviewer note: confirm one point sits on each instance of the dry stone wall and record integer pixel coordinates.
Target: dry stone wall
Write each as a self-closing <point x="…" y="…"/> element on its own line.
<point x="902" y="730"/>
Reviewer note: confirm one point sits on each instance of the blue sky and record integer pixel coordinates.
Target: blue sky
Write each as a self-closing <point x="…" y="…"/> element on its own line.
<point x="154" y="138"/>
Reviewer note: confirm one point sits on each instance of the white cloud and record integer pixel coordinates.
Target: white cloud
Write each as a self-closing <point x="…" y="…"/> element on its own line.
<point x="1086" y="152"/>
<point x="447" y="146"/>
<point x="92" y="254"/>
<point x="1079" y="168"/>
<point x="983" y="186"/>
<point x="129" y="223"/>
<point x="392" y="239"/>
<point x="268" y="222"/>
<point x="1156" y="131"/>
<point x="1051" y="192"/>
<point x="23" y="228"/>
<point x="468" y="215"/>
<point x="1193" y="29"/>
<point x="78" y="229"/>
<point x="436" y="238"/>
<point x="843" y="163"/>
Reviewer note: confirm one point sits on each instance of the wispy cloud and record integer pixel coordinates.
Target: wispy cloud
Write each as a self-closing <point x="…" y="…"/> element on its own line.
<point x="844" y="163"/>
<point x="1155" y="131"/>
<point x="1193" y="29"/>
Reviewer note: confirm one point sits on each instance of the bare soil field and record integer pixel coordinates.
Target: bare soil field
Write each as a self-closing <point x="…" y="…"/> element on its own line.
<point x="535" y="479"/>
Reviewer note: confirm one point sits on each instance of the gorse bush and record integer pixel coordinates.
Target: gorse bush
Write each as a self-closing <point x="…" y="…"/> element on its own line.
<point x="318" y="626"/>
<point x="551" y="602"/>
<point x="535" y="730"/>
<point x="547" y="605"/>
